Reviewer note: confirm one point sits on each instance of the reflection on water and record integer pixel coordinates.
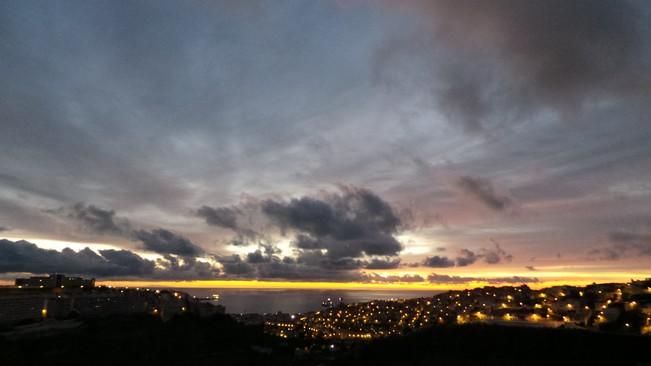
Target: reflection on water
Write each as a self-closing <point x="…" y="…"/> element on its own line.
<point x="294" y="301"/>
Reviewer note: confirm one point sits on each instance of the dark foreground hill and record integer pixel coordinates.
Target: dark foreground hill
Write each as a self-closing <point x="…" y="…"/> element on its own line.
<point x="478" y="344"/>
<point x="221" y="341"/>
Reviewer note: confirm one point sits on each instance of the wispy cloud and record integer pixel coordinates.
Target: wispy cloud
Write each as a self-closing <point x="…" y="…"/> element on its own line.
<point x="447" y="279"/>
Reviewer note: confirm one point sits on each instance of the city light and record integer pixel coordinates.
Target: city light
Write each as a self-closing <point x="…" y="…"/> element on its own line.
<point x="381" y="318"/>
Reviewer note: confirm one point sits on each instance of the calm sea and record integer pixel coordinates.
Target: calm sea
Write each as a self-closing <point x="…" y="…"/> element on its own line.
<point x="294" y="301"/>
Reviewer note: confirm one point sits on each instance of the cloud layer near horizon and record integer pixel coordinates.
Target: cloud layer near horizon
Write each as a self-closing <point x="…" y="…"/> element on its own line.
<point x="26" y="257"/>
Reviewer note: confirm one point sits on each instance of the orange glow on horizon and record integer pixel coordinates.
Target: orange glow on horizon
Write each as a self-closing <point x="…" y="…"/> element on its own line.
<point x="546" y="279"/>
<point x="309" y="285"/>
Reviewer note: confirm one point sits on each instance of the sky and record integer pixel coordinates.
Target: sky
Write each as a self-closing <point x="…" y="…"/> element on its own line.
<point x="387" y="143"/>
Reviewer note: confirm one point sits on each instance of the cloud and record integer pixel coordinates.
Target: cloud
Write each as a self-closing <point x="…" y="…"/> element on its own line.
<point x="385" y="263"/>
<point x="277" y="269"/>
<point x="495" y="255"/>
<point x="333" y="235"/>
<point x="104" y="221"/>
<point x="23" y="256"/>
<point x="166" y="242"/>
<point x="227" y="218"/>
<point x="258" y="257"/>
<point x="482" y="190"/>
<point x="607" y="254"/>
<point x="438" y="262"/>
<point x="2" y="228"/>
<point x="639" y="240"/>
<point x="97" y="220"/>
<point x="268" y="268"/>
<point x="317" y="259"/>
<point x="407" y="278"/>
<point x="441" y="278"/>
<point x="523" y="57"/>
<point x="180" y="267"/>
<point x="531" y="268"/>
<point x="467" y="257"/>
<point x="234" y="265"/>
<point x="309" y="266"/>
<point x="135" y="264"/>
<point x="447" y="279"/>
<point x="349" y="224"/>
<point x="623" y="244"/>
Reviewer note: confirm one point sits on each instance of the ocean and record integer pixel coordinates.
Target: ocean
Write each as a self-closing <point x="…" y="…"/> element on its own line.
<point x="295" y="301"/>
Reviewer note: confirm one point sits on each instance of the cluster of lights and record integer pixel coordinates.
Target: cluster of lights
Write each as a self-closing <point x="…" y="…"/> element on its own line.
<point x="380" y="318"/>
<point x="179" y="297"/>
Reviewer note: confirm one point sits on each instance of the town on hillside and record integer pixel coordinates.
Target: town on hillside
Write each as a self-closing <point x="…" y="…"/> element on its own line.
<point x="617" y="307"/>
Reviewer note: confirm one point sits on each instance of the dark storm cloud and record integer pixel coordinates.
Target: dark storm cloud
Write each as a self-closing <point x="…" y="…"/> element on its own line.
<point x="317" y="259"/>
<point x="438" y="262"/>
<point x="234" y="265"/>
<point x="260" y="267"/>
<point x="257" y="257"/>
<point x="127" y="259"/>
<point x="227" y="217"/>
<point x="309" y="265"/>
<point x="99" y="220"/>
<point x="467" y="257"/>
<point x="351" y="224"/>
<point x="351" y="214"/>
<point x="23" y="256"/>
<point x="104" y="221"/>
<point x="166" y="242"/>
<point x="521" y="56"/>
<point x="265" y="254"/>
<point x="561" y="47"/>
<point x="385" y="263"/>
<point x="447" y="279"/>
<point x="482" y="190"/>
<point x="276" y="269"/>
<point x="180" y="267"/>
<point x="333" y="235"/>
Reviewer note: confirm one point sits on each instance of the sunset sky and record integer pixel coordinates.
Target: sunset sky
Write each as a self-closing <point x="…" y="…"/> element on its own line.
<point x="340" y="144"/>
